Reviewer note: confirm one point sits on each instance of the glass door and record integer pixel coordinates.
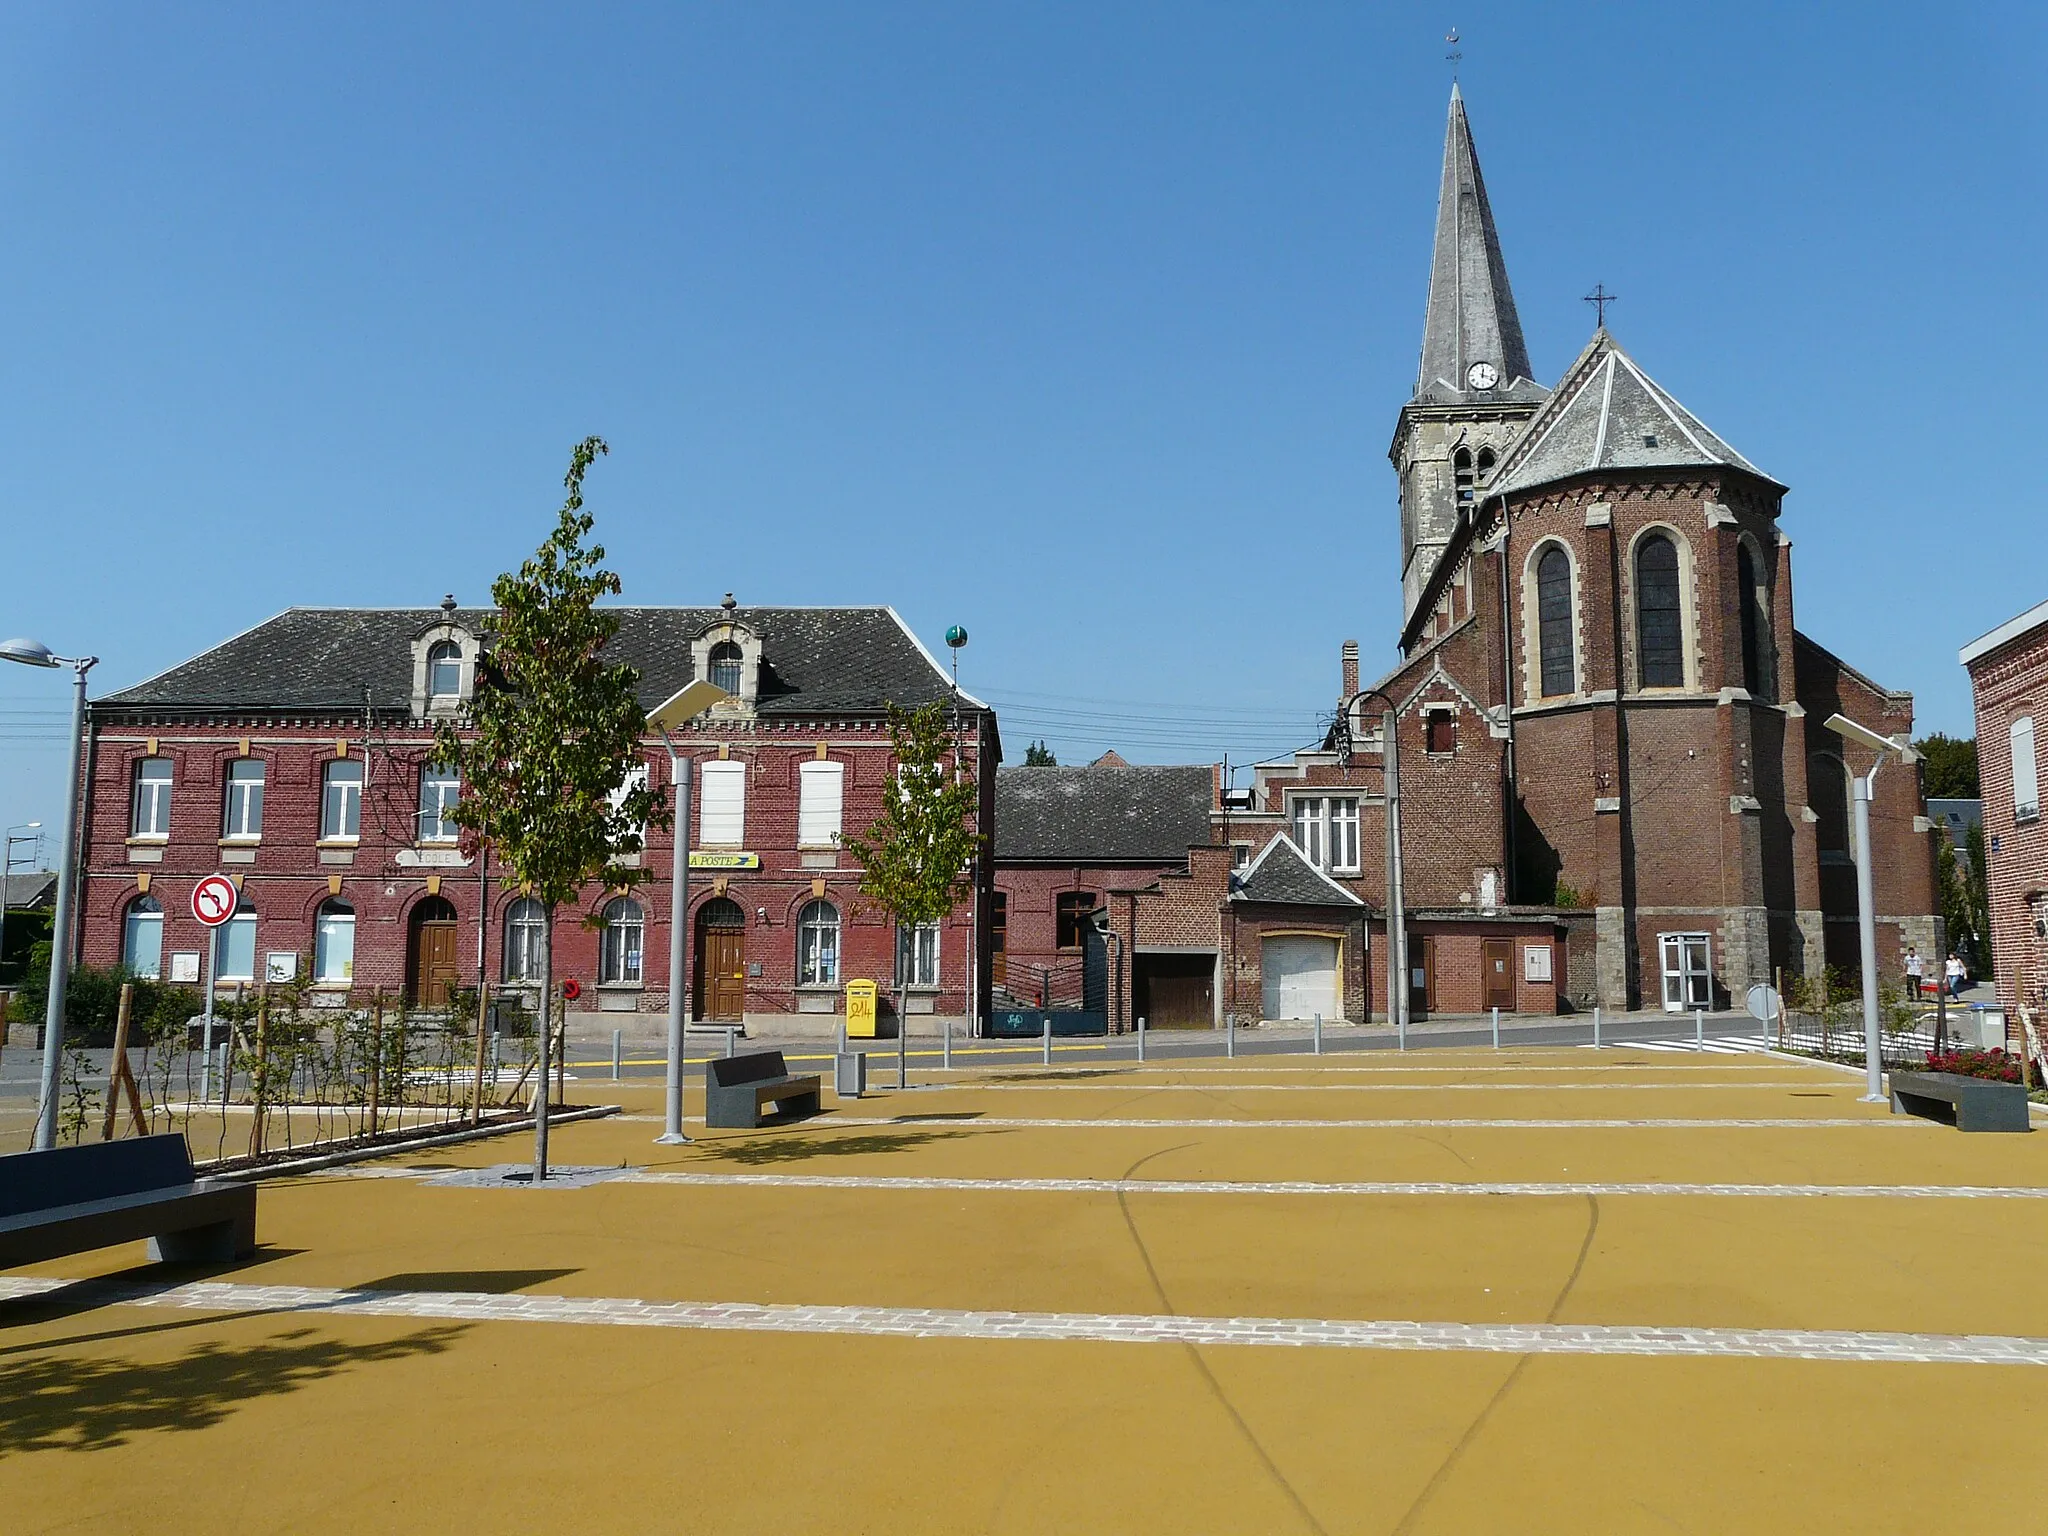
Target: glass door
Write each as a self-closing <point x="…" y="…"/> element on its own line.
<point x="1688" y="972"/>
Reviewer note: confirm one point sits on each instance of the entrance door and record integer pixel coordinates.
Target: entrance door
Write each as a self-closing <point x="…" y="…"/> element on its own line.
<point x="1300" y="977"/>
<point x="431" y="971"/>
<point x="1175" y="991"/>
<point x="1497" y="958"/>
<point x="1421" y="974"/>
<point x="721" y="990"/>
<point x="1688" y="975"/>
<point x="999" y="937"/>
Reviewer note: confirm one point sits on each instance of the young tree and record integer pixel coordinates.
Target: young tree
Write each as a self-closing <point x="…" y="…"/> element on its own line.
<point x="916" y="856"/>
<point x="550" y="741"/>
<point x="1039" y="755"/>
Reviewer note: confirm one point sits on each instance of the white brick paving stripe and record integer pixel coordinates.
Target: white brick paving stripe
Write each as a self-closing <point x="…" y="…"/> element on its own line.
<point x="1847" y="1089"/>
<point x="1104" y="1328"/>
<point x="1000" y="1123"/>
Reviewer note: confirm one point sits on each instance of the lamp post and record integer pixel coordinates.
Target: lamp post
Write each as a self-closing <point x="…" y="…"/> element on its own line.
<point x="32" y="653"/>
<point x="1865" y="786"/>
<point x="1397" y="930"/>
<point x="7" y="873"/>
<point x="684" y="706"/>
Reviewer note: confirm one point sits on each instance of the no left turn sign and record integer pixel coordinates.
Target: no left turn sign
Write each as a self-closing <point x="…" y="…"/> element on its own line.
<point x="213" y="900"/>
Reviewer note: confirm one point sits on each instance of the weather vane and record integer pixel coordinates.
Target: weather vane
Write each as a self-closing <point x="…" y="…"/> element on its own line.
<point x="1600" y="298"/>
<point x="1455" y="55"/>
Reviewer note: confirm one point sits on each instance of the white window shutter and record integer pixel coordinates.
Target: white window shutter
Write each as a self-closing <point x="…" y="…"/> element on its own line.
<point x="2026" y="779"/>
<point x="722" y="817"/>
<point x="820" y="797"/>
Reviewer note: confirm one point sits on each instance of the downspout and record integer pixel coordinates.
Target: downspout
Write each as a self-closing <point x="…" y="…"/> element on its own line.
<point x="1511" y="876"/>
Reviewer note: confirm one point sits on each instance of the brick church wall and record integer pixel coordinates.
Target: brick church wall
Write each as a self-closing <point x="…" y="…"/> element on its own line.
<point x="2011" y="682"/>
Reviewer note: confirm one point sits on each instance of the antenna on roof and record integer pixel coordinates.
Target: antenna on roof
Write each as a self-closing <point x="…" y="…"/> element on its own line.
<point x="1456" y="55"/>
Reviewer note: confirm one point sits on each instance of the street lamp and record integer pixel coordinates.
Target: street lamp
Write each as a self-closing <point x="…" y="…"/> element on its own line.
<point x="1866" y="899"/>
<point x="33" y="653"/>
<point x="690" y="702"/>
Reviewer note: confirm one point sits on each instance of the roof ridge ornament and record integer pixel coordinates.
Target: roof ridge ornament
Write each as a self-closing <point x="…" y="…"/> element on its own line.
<point x="1600" y="298"/>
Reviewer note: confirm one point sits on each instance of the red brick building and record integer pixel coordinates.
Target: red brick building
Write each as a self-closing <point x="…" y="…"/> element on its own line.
<point x="297" y="759"/>
<point x="2009" y="677"/>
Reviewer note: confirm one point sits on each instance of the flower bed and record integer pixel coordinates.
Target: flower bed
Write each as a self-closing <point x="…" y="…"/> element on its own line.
<point x="1993" y="1064"/>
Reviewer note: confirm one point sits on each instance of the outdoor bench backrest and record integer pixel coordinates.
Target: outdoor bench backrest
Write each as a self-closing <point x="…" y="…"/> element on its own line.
<point x="734" y="1071"/>
<point x="100" y="1170"/>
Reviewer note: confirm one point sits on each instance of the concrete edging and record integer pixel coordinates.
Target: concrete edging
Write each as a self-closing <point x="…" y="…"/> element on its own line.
<point x="385" y="1148"/>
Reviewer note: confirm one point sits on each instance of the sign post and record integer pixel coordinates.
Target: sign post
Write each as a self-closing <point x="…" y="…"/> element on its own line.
<point x="213" y="903"/>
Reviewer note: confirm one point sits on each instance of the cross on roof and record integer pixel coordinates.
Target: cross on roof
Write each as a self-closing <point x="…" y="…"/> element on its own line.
<point x="1454" y="55"/>
<point x="1600" y="298"/>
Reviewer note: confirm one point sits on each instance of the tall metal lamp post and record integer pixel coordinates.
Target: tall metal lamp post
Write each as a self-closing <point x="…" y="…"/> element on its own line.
<point x="672" y="713"/>
<point x="1865" y="786"/>
<point x="1397" y="920"/>
<point x="33" y="653"/>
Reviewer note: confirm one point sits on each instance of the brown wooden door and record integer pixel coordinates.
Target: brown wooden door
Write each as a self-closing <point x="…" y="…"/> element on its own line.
<point x="999" y="935"/>
<point x="434" y="970"/>
<point x="722" y="974"/>
<point x="1421" y="974"/>
<point x="1497" y="957"/>
<point x="1180" y="992"/>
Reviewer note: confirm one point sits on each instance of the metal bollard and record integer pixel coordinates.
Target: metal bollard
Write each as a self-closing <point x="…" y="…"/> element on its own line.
<point x="1496" y="1029"/>
<point x="1317" y="1049"/>
<point x="1699" y="1029"/>
<point x="949" y="1045"/>
<point x="732" y="1042"/>
<point x="618" y="1054"/>
<point x="1596" y="1026"/>
<point x="1047" y="1041"/>
<point x="1230" y="1034"/>
<point x="1141" y="1037"/>
<point x="902" y="1051"/>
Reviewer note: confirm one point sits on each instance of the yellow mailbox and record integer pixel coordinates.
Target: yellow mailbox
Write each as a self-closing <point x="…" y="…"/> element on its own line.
<point x="860" y="1010"/>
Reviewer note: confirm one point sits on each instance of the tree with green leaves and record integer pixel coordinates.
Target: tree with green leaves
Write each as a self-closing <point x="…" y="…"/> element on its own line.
<point x="1951" y="766"/>
<point x="1039" y="755"/>
<point x="548" y="746"/>
<point x="917" y="856"/>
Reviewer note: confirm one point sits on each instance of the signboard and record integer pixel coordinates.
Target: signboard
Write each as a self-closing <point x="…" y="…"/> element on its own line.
<point x="701" y="860"/>
<point x="860" y="1010"/>
<point x="1763" y="1003"/>
<point x="213" y="900"/>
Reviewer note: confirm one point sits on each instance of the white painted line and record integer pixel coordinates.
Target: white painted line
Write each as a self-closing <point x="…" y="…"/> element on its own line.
<point x="1147" y="1087"/>
<point x="999" y="1123"/>
<point x="1105" y="1328"/>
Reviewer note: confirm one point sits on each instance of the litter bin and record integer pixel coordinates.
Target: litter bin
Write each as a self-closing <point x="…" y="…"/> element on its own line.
<point x="850" y="1074"/>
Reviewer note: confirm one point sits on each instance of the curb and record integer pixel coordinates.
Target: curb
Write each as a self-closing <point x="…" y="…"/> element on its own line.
<point x="406" y="1144"/>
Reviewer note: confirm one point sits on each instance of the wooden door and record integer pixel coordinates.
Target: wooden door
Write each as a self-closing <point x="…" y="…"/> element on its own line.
<point x="1497" y="957"/>
<point x="1176" y="991"/>
<point x="722" y="974"/>
<point x="999" y="935"/>
<point x="1421" y="974"/>
<point x="434" y="967"/>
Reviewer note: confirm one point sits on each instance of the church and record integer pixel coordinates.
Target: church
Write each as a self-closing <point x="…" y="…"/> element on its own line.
<point x="1615" y="785"/>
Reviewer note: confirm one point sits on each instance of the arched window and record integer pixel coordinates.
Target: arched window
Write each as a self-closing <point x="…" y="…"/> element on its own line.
<point x="619" y="954"/>
<point x="142" y="938"/>
<point x="1485" y="462"/>
<point x="725" y="666"/>
<point x="2026" y="770"/>
<point x="1554" y="622"/>
<point x="444" y="670"/>
<point x="334" y="941"/>
<point x="526" y="923"/>
<point x="817" y="945"/>
<point x="1758" y="655"/>
<point x="1660" y="628"/>
<point x="1461" y="474"/>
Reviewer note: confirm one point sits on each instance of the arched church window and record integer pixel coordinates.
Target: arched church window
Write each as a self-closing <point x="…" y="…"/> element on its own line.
<point x="1485" y="462"/>
<point x="1758" y="656"/>
<point x="1554" y="622"/>
<point x="1660" y="636"/>
<point x="1461" y="474"/>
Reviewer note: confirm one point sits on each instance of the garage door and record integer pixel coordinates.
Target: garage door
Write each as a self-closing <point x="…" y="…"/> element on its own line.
<point x="1300" y="977"/>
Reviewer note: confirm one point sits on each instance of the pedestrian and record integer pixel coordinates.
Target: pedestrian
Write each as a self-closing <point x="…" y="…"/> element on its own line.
<point x="1916" y="971"/>
<point x="1958" y="973"/>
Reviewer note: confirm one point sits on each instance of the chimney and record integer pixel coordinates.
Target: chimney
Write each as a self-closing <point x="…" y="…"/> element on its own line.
<point x="1350" y="668"/>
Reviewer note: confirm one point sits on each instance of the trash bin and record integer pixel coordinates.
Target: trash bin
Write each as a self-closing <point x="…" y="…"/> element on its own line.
<point x="850" y="1074"/>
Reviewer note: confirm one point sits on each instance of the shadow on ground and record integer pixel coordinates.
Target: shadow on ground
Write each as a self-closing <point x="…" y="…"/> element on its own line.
<point x="795" y="1149"/>
<point x="488" y="1282"/>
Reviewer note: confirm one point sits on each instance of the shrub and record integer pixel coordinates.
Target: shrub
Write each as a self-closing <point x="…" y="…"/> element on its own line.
<point x="1994" y="1064"/>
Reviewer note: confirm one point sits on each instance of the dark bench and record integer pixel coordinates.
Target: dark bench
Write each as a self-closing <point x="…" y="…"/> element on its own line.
<point x="74" y="1199"/>
<point x="737" y="1089"/>
<point x="1969" y="1103"/>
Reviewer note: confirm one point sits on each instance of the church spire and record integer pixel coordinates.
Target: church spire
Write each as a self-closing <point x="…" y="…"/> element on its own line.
<point x="1471" y="318"/>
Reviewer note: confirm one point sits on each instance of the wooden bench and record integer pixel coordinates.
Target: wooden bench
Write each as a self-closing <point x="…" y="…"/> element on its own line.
<point x="1968" y="1103"/>
<point x="74" y="1199"/>
<point x="737" y="1089"/>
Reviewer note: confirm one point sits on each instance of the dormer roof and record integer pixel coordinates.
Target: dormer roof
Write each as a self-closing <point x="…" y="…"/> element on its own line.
<point x="1282" y="875"/>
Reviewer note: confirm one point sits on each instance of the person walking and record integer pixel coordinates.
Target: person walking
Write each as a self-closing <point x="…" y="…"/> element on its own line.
<point x="1916" y="972"/>
<point x="1958" y="973"/>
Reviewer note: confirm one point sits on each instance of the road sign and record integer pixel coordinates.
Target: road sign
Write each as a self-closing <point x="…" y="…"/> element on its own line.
<point x="213" y="900"/>
<point x="1763" y="1003"/>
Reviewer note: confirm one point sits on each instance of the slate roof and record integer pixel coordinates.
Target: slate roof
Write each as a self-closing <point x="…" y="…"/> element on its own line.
<point x="1282" y="875"/>
<point x="1608" y="414"/>
<point x="35" y="889"/>
<point x="1102" y="814"/>
<point x="1471" y="313"/>
<point x="816" y="662"/>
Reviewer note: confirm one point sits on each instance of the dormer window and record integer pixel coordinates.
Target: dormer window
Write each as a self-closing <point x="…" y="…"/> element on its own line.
<point x="444" y="671"/>
<point x="726" y="666"/>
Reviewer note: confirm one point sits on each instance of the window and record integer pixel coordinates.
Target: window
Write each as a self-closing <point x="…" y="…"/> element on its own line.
<point x="2026" y="778"/>
<point x="243" y="817"/>
<point x="334" y="941"/>
<point x="820" y="794"/>
<point x="1440" y="733"/>
<point x="152" y="816"/>
<point x="619" y="953"/>
<point x="817" y="945"/>
<point x="1461" y="475"/>
<point x="725" y="667"/>
<point x="440" y="788"/>
<point x="142" y="938"/>
<point x="917" y="956"/>
<point x="722" y="805"/>
<point x="1485" y="462"/>
<point x="1554" y="622"/>
<point x="1326" y="831"/>
<point x="341" y="799"/>
<point x="1755" y="601"/>
<point x="444" y="671"/>
<point x="526" y="922"/>
<point x="636" y="779"/>
<point x="234" y="947"/>
<point x="1660" y="640"/>
<point x="1071" y="909"/>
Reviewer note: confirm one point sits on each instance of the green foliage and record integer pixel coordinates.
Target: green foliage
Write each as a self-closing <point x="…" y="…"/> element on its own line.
<point x="76" y="1100"/>
<point x="1977" y="901"/>
<point x="1568" y="897"/>
<point x="553" y="733"/>
<point x="1834" y="998"/>
<point x="92" y="1000"/>
<point x="26" y="928"/>
<point x="914" y="857"/>
<point x="1039" y="755"/>
<point x="1949" y="771"/>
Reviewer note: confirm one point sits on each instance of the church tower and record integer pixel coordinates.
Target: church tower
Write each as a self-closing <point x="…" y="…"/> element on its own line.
<point x="1473" y="392"/>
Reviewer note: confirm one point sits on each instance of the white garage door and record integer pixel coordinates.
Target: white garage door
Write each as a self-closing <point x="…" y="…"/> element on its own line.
<point x="1301" y="977"/>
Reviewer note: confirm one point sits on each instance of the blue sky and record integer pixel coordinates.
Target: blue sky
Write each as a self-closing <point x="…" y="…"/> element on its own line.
<point x="1082" y="325"/>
